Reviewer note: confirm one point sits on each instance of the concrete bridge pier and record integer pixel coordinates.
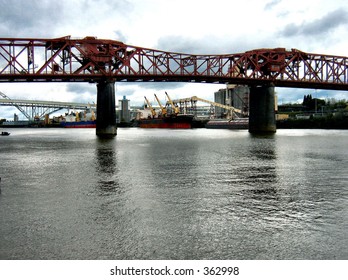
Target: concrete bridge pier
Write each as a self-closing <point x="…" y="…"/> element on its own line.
<point x="106" y="110"/>
<point x="262" y="111"/>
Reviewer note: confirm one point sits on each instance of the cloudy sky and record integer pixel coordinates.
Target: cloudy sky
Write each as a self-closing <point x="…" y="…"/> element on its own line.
<point x="190" y="26"/>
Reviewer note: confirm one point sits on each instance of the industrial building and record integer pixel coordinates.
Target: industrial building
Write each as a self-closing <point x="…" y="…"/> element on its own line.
<point x="124" y="110"/>
<point x="236" y="96"/>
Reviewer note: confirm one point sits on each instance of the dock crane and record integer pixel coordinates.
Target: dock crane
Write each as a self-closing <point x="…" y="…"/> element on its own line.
<point x="175" y="108"/>
<point x="230" y="109"/>
<point x="153" y="112"/>
<point x="163" y="109"/>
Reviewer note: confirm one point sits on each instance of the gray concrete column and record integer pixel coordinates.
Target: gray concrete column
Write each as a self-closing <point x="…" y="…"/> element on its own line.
<point x="262" y="111"/>
<point x="106" y="110"/>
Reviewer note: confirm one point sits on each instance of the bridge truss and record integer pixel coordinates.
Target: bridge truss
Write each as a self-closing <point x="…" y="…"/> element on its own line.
<point x="92" y="60"/>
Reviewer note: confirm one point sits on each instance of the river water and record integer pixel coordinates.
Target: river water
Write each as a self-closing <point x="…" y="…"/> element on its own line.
<point x="173" y="194"/>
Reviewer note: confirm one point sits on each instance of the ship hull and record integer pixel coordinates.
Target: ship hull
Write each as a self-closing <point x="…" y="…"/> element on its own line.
<point x="177" y="122"/>
<point x="234" y="124"/>
<point x="83" y="124"/>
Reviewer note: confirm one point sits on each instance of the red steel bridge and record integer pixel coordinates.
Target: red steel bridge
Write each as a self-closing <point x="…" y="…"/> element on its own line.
<point x="91" y="59"/>
<point x="106" y="61"/>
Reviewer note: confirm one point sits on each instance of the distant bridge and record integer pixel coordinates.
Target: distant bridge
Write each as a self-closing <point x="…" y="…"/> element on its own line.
<point x="35" y="108"/>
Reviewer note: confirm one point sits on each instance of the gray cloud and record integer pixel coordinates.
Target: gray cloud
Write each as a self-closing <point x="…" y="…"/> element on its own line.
<point x="215" y="45"/>
<point x="128" y="92"/>
<point x="271" y="5"/>
<point x="330" y="21"/>
<point x="82" y="92"/>
<point x="81" y="88"/>
<point x="178" y="43"/>
<point x="87" y="13"/>
<point x="29" y="18"/>
<point x="119" y="36"/>
<point x="87" y="92"/>
<point x="7" y="112"/>
<point x="46" y="18"/>
<point x="190" y="45"/>
<point x="160" y="85"/>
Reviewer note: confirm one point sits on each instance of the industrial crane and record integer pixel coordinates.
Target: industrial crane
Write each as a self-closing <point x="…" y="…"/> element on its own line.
<point x="230" y="108"/>
<point x="153" y="112"/>
<point x="163" y="109"/>
<point x="175" y="108"/>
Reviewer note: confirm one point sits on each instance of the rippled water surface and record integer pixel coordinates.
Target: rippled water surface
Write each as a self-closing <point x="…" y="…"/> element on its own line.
<point x="173" y="194"/>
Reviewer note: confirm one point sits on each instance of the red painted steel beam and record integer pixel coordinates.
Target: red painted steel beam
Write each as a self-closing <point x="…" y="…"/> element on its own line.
<point x="90" y="60"/>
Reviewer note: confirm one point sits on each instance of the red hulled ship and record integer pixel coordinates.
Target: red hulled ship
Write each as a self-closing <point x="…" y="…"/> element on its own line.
<point x="176" y="121"/>
<point x="163" y="119"/>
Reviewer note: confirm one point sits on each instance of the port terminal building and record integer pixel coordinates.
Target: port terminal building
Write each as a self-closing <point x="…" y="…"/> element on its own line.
<point x="236" y="96"/>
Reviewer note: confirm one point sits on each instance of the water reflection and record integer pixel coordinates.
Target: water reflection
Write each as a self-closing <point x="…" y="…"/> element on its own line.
<point x="163" y="196"/>
<point x="106" y="166"/>
<point x="259" y="168"/>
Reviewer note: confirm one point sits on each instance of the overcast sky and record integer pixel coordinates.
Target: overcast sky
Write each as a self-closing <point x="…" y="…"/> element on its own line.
<point x="190" y="26"/>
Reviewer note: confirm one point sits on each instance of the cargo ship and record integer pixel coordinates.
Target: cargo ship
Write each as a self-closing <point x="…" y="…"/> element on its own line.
<point x="163" y="119"/>
<point x="79" y="120"/>
<point x="178" y="122"/>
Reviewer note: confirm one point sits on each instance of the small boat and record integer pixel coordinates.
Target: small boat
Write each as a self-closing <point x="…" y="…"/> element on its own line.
<point x="5" y="133"/>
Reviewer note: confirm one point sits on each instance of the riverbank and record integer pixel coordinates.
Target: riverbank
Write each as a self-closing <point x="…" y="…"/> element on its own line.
<point x="328" y="122"/>
<point x="291" y="123"/>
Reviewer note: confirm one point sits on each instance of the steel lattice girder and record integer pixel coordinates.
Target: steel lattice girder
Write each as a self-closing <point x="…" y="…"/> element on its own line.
<point x="90" y="59"/>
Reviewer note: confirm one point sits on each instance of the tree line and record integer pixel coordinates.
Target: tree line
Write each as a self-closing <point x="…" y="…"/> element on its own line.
<point x="311" y="104"/>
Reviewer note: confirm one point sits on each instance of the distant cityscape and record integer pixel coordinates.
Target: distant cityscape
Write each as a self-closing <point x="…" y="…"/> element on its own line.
<point x="232" y="96"/>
